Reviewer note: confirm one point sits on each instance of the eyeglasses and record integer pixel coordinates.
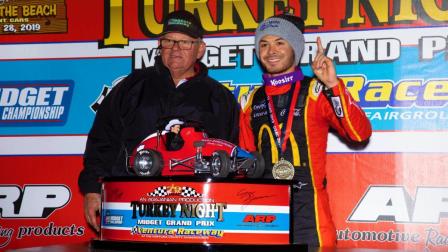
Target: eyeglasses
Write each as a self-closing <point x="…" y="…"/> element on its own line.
<point x="183" y="44"/>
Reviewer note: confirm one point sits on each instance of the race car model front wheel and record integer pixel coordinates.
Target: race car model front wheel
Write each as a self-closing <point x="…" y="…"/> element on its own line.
<point x="257" y="168"/>
<point x="220" y="165"/>
<point x="148" y="163"/>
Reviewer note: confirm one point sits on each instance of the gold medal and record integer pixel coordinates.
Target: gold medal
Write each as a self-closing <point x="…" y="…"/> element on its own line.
<point x="283" y="169"/>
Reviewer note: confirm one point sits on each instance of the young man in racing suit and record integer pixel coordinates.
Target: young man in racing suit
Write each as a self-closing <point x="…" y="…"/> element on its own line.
<point x="288" y="119"/>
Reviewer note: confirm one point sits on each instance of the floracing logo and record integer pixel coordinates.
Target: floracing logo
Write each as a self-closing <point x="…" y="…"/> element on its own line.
<point x="35" y="102"/>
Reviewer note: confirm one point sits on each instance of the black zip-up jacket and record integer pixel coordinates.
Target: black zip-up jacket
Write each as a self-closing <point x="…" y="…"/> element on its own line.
<point x="132" y="109"/>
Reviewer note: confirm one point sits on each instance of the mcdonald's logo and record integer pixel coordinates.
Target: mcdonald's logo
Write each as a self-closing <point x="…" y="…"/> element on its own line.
<point x="274" y="150"/>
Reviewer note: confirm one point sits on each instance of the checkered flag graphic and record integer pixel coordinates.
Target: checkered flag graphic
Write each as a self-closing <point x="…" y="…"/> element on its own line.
<point x="189" y="192"/>
<point x="104" y="92"/>
<point x="100" y="98"/>
<point x="160" y="191"/>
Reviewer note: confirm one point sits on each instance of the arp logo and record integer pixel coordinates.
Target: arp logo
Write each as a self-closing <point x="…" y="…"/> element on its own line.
<point x="393" y="203"/>
<point x="34" y="201"/>
<point x="259" y="218"/>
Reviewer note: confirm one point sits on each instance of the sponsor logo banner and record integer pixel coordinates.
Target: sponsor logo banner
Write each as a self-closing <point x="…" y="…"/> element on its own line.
<point x="195" y="212"/>
<point x="390" y="207"/>
<point x="30" y="17"/>
<point x="34" y="209"/>
<point x="34" y="103"/>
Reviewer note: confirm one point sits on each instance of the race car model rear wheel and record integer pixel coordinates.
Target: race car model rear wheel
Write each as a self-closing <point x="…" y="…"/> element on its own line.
<point x="220" y="165"/>
<point x="148" y="163"/>
<point x="257" y="168"/>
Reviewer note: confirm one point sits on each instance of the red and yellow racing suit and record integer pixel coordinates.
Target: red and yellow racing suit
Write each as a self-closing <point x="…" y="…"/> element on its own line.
<point x="316" y="110"/>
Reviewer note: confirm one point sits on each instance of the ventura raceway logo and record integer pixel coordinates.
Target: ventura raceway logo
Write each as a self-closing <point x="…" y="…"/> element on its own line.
<point x="31" y="103"/>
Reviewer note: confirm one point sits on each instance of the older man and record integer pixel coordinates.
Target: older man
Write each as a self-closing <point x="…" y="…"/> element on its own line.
<point x="177" y="85"/>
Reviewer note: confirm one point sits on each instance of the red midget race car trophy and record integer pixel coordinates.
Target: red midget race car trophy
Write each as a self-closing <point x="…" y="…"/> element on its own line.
<point x="183" y="148"/>
<point x="192" y="192"/>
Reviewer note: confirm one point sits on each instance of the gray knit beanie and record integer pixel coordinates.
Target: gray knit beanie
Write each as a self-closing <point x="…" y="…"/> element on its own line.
<point x="286" y="26"/>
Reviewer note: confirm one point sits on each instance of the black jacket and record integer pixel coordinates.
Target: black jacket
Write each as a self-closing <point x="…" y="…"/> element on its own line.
<point x="131" y="110"/>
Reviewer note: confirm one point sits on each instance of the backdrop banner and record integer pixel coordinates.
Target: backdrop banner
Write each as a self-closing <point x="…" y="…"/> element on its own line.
<point x="59" y="59"/>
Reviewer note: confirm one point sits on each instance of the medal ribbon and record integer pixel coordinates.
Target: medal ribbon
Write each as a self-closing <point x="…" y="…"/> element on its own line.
<point x="282" y="136"/>
<point x="284" y="79"/>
